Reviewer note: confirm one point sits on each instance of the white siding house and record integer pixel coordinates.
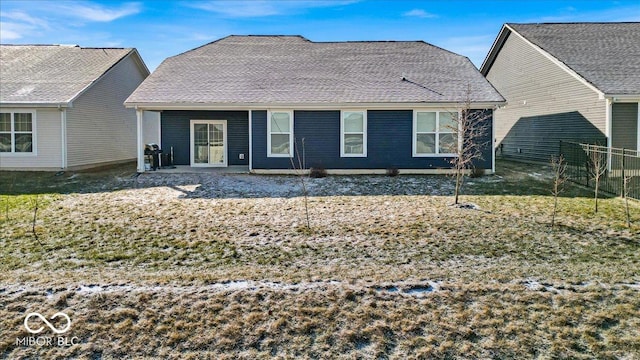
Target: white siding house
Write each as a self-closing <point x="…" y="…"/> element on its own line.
<point x="576" y="81"/>
<point x="61" y="107"/>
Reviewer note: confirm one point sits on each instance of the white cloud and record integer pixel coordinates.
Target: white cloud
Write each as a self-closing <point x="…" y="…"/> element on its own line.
<point x="99" y="13"/>
<point x="616" y="14"/>
<point x="261" y="8"/>
<point x="18" y="24"/>
<point x="420" y="14"/>
<point x="8" y="32"/>
<point x="238" y="8"/>
<point x="23" y="17"/>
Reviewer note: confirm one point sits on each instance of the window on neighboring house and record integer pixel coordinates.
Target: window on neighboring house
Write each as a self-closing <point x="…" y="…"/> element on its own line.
<point x="434" y="133"/>
<point x="280" y="134"/>
<point x="353" y="134"/>
<point x="16" y="132"/>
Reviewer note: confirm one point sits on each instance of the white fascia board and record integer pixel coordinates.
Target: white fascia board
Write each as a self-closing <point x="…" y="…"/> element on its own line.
<point x="619" y="98"/>
<point x="35" y="105"/>
<point x="138" y="60"/>
<point x="327" y="106"/>
<point x="559" y="63"/>
<point x="497" y="42"/>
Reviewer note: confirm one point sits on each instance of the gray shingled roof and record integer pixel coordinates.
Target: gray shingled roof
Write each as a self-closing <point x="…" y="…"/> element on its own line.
<point x="605" y="54"/>
<point x="294" y="70"/>
<point x="51" y="74"/>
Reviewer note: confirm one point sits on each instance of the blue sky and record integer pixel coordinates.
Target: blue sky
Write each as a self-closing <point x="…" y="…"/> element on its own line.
<point x="159" y="29"/>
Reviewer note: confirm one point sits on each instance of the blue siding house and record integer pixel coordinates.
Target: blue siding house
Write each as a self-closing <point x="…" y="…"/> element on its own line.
<point x="347" y="107"/>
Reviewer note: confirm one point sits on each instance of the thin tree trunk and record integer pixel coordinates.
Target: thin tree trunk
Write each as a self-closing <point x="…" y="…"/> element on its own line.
<point x="458" y="180"/>
<point x="300" y="172"/>
<point x="555" y="207"/>
<point x="596" y="194"/>
<point x="35" y="219"/>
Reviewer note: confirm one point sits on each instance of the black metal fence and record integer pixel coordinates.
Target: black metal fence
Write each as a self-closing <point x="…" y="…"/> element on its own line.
<point x="615" y="167"/>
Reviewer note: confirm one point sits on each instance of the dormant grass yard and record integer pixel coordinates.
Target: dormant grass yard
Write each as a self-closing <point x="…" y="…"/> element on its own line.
<point x="223" y="267"/>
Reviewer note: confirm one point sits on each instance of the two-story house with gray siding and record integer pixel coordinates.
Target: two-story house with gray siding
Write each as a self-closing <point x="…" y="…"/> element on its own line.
<point x="61" y="106"/>
<point x="565" y="81"/>
<point x="347" y="107"/>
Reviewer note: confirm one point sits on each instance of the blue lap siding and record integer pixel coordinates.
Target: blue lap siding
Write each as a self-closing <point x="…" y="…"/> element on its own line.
<point x="389" y="142"/>
<point x="175" y="132"/>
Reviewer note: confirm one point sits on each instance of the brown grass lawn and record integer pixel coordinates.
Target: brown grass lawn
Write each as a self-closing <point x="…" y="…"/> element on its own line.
<point x="223" y="266"/>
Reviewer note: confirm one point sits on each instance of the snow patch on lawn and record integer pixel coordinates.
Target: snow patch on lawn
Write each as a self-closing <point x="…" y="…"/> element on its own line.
<point x="400" y="288"/>
<point x="90" y="289"/>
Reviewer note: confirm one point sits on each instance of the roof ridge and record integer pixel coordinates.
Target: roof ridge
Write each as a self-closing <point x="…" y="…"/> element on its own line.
<point x="576" y="23"/>
<point x="70" y="46"/>
<point x="229" y="36"/>
<point x="320" y="43"/>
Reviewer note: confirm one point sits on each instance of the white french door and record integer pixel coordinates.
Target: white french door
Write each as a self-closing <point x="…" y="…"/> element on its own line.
<point x="209" y="143"/>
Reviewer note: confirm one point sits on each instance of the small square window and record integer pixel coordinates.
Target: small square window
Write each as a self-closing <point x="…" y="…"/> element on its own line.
<point x="434" y="133"/>
<point x="17" y="132"/>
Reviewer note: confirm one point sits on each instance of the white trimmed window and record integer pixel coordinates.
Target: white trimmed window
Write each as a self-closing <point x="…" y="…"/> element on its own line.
<point x="280" y="134"/>
<point x="17" y="133"/>
<point x="353" y="134"/>
<point x="434" y="133"/>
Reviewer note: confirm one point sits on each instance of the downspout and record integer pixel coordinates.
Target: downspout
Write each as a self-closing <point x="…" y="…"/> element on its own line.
<point x="250" y="143"/>
<point x="608" y="120"/>
<point x="493" y="140"/>
<point x="139" y="142"/>
<point x="63" y="137"/>
<point x="608" y="127"/>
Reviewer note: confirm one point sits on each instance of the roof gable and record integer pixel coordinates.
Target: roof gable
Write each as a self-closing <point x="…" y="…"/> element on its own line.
<point x="53" y="74"/>
<point x="606" y="55"/>
<point x="293" y="70"/>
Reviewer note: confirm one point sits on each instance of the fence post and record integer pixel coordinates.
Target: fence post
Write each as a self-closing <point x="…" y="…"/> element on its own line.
<point x="622" y="178"/>
<point x="587" y="164"/>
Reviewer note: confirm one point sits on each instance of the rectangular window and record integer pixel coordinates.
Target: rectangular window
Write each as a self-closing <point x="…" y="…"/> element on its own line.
<point x="353" y="134"/>
<point x="280" y="134"/>
<point x="434" y="133"/>
<point x="16" y="132"/>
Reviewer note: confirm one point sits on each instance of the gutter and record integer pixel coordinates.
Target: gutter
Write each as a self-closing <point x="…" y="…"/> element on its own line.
<point x="37" y="105"/>
<point x="307" y="106"/>
<point x="623" y="97"/>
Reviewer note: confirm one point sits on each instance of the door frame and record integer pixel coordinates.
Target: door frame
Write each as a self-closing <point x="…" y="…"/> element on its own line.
<point x="191" y="142"/>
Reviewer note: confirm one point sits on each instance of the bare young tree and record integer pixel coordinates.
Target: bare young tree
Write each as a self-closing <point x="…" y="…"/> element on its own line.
<point x="471" y="129"/>
<point x="597" y="168"/>
<point x="559" y="167"/>
<point x="299" y="169"/>
<point x="35" y="219"/>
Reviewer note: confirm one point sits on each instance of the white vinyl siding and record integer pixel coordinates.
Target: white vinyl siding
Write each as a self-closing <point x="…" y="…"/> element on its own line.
<point x="434" y="133"/>
<point x="280" y="134"/>
<point x="534" y="86"/>
<point x="99" y="128"/>
<point x="353" y="133"/>
<point x="47" y="143"/>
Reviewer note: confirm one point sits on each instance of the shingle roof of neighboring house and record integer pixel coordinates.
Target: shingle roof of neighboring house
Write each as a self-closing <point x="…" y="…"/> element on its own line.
<point x="607" y="55"/>
<point x="51" y="74"/>
<point x="294" y="70"/>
